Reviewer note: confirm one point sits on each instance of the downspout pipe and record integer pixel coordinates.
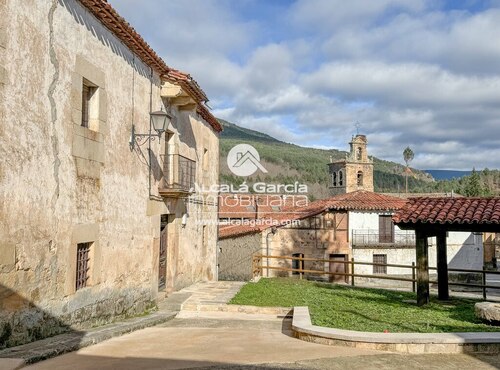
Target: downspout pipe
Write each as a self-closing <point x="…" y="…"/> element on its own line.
<point x="272" y="232"/>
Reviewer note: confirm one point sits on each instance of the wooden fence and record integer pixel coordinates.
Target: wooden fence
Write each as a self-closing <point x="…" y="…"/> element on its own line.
<point x="350" y="271"/>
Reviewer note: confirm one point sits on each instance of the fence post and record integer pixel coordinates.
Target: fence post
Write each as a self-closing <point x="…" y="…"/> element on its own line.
<point x="484" y="283"/>
<point x="352" y="271"/>
<point x="413" y="287"/>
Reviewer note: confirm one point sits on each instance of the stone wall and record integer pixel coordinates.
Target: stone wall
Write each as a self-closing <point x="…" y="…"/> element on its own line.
<point x="235" y="257"/>
<point x="328" y="237"/>
<point x="62" y="184"/>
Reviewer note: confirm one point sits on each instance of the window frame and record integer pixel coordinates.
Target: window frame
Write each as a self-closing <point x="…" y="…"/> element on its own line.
<point x="89" y="104"/>
<point x="83" y="265"/>
<point x="379" y="270"/>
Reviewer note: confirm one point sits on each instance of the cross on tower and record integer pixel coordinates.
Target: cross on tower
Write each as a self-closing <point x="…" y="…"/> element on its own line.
<point x="357" y="125"/>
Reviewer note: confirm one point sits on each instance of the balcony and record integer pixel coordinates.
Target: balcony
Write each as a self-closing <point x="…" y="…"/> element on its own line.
<point x="373" y="239"/>
<point x="179" y="174"/>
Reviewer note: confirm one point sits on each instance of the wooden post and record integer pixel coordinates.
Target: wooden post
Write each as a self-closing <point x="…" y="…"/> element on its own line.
<point x="422" y="250"/>
<point x="442" y="267"/>
<point x="352" y="271"/>
<point x="413" y="283"/>
<point x="483" y="279"/>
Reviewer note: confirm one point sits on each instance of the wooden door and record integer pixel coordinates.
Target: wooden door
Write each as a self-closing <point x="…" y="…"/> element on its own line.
<point x="337" y="264"/>
<point x="162" y="261"/>
<point x="386" y="229"/>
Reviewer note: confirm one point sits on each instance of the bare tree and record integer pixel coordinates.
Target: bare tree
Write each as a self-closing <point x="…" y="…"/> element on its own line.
<point x="408" y="156"/>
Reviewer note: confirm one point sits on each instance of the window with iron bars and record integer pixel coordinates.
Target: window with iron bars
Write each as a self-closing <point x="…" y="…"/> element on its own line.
<point x="380" y="258"/>
<point x="82" y="264"/>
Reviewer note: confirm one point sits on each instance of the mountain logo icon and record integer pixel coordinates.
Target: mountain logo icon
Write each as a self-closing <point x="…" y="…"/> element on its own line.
<point x="244" y="160"/>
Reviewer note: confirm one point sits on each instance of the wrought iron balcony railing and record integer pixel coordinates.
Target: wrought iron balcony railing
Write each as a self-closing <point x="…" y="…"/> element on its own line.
<point x="179" y="175"/>
<point x="373" y="238"/>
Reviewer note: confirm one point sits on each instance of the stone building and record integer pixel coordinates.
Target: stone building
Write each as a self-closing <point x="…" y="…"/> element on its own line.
<point x="353" y="173"/>
<point x="96" y="223"/>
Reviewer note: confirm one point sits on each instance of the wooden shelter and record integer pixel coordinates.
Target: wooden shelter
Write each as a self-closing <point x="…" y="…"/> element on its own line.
<point x="434" y="217"/>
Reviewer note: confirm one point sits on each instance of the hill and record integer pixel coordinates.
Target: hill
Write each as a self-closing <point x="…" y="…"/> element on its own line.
<point x="287" y="163"/>
<point x="448" y="174"/>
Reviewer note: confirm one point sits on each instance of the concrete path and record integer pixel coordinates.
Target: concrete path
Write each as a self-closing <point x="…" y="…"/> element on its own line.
<point x="231" y="343"/>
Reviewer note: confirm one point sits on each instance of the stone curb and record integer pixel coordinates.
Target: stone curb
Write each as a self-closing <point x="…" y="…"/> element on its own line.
<point x="279" y="311"/>
<point x="483" y="342"/>
<point x="68" y="342"/>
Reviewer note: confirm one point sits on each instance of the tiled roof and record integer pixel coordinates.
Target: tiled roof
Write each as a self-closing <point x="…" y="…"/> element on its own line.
<point x="110" y="18"/>
<point x="359" y="200"/>
<point x="231" y="231"/>
<point x="425" y="195"/>
<point x="450" y="211"/>
<point x="209" y="117"/>
<point x="365" y="200"/>
<point x="248" y="205"/>
<point x="187" y="83"/>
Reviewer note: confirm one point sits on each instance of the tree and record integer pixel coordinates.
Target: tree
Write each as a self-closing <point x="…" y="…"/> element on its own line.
<point x="408" y="156"/>
<point x="473" y="186"/>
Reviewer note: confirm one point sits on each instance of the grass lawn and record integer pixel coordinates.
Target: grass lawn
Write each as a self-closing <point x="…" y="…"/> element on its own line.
<point x="363" y="309"/>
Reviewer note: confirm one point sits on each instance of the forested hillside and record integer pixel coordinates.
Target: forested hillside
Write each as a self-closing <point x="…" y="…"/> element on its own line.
<point x="287" y="163"/>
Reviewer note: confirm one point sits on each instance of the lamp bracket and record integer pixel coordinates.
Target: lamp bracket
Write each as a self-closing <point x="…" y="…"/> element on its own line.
<point x="141" y="139"/>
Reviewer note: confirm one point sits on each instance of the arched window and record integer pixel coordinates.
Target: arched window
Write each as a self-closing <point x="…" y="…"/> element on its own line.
<point x="359" y="153"/>
<point x="341" y="178"/>
<point x="360" y="178"/>
<point x="334" y="179"/>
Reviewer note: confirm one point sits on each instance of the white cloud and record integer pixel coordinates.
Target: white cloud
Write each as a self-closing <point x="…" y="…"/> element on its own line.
<point x="410" y="84"/>
<point x="409" y="71"/>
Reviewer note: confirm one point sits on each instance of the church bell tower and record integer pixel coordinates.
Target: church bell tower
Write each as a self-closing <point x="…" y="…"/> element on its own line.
<point x="355" y="172"/>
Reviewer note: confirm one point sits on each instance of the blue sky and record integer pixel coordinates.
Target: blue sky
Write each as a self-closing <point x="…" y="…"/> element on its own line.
<point x="413" y="72"/>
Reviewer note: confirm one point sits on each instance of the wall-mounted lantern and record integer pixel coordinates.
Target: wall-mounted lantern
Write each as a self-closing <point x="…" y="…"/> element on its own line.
<point x="159" y="120"/>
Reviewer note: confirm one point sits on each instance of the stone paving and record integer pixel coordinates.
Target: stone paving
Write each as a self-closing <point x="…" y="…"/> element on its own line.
<point x="210" y="293"/>
<point x="243" y="344"/>
<point x="206" y="293"/>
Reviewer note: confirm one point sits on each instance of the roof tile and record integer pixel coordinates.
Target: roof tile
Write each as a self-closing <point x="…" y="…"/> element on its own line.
<point x="450" y="210"/>
<point x="358" y="200"/>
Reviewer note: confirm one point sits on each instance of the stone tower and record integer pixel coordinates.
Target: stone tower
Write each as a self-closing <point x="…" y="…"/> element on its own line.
<point x="353" y="173"/>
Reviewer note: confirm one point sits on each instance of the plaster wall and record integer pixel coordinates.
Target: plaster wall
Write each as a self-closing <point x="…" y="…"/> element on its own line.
<point x="235" y="257"/>
<point x="63" y="184"/>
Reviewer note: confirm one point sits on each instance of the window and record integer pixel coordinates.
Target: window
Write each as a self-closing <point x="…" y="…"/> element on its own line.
<point x="88" y="102"/>
<point x="297" y="264"/>
<point x="380" y="258"/>
<point x="360" y="178"/>
<point x="341" y="178"/>
<point x="82" y="265"/>
<point x="385" y="229"/>
<point x="334" y="179"/>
